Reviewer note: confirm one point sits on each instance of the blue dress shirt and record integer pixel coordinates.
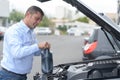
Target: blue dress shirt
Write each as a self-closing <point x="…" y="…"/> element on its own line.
<point x="19" y="47"/>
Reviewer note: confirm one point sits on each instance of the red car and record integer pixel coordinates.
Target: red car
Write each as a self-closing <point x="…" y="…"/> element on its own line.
<point x="2" y="31"/>
<point x="99" y="43"/>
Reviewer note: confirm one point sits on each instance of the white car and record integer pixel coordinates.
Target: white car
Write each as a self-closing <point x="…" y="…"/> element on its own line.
<point x="43" y="31"/>
<point x="74" y="31"/>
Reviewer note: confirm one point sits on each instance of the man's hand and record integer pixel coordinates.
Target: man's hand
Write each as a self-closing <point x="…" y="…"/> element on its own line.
<point x="44" y="45"/>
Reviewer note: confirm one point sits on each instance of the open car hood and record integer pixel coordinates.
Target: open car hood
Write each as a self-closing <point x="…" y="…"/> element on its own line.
<point x="106" y="67"/>
<point x="109" y="26"/>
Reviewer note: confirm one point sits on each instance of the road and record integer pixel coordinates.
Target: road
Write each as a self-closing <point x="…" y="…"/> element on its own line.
<point x="65" y="49"/>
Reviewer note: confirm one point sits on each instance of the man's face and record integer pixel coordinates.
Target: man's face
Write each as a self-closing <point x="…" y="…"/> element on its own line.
<point x="34" y="19"/>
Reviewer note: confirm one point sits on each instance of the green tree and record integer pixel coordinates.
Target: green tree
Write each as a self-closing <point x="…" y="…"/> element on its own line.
<point x="46" y="22"/>
<point x="83" y="19"/>
<point x="16" y="16"/>
<point x="62" y="29"/>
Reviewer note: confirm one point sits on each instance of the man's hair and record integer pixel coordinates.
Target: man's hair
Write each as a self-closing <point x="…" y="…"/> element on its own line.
<point x="34" y="9"/>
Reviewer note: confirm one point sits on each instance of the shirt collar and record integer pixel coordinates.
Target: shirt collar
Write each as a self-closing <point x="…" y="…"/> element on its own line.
<point x="25" y="27"/>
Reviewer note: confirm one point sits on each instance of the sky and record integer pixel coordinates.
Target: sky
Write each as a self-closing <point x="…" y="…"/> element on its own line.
<point x="105" y="6"/>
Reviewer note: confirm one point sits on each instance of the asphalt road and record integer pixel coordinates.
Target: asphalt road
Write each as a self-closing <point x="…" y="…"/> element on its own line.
<point x="65" y="49"/>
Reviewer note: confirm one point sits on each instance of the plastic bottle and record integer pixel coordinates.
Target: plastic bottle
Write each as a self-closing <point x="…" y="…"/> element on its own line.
<point x="46" y="61"/>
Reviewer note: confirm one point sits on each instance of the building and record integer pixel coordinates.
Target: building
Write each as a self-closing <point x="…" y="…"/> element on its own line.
<point x="63" y="13"/>
<point x="4" y="12"/>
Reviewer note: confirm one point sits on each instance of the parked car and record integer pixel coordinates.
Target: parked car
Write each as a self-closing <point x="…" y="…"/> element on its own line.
<point x="1" y="35"/>
<point x="98" y="44"/>
<point x="43" y="31"/>
<point x="74" y="31"/>
<point x="2" y="31"/>
<point x="103" y="67"/>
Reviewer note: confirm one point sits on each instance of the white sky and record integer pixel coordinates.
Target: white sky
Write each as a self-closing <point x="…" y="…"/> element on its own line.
<point x="49" y="7"/>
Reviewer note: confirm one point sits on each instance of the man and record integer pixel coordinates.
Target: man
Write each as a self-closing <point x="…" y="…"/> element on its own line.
<point x="20" y="45"/>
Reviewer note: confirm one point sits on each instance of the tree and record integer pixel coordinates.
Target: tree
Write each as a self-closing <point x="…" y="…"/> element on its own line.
<point x="62" y="29"/>
<point x="83" y="19"/>
<point x="16" y="16"/>
<point x="46" y="22"/>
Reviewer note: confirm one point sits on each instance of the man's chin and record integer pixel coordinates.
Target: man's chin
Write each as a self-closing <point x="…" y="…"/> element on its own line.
<point x="34" y="27"/>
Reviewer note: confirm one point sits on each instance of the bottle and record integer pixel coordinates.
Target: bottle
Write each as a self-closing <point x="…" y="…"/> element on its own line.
<point x="46" y="61"/>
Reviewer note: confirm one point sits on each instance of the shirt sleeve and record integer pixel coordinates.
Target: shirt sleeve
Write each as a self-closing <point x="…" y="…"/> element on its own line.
<point x="16" y="47"/>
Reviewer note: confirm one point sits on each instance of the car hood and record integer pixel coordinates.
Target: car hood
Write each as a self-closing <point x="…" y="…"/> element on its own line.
<point x="106" y="24"/>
